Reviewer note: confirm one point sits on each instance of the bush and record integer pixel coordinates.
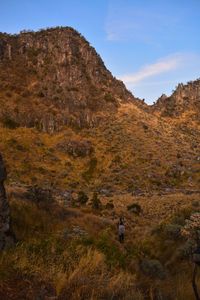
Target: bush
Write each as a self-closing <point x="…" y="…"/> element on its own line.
<point x="73" y="88"/>
<point x="186" y="250"/>
<point x="9" y="123"/>
<point x="41" y="94"/>
<point x="134" y="208"/>
<point x="178" y="220"/>
<point x="87" y="175"/>
<point x="96" y="203"/>
<point x="109" y="98"/>
<point x="117" y="159"/>
<point x="173" y="230"/>
<point x="153" y="269"/>
<point x="82" y="197"/>
<point x="109" y="205"/>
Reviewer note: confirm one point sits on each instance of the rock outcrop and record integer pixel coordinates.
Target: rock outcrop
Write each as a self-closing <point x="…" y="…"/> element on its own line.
<point x="184" y="98"/>
<point x="7" y="238"/>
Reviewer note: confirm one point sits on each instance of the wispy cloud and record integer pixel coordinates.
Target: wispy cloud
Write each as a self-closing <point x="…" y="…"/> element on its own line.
<point x="163" y="65"/>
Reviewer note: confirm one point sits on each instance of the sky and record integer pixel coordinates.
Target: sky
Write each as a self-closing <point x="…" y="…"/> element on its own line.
<point x="151" y="45"/>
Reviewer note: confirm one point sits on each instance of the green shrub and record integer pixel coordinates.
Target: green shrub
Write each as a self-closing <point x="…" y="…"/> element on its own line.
<point x="186" y="250"/>
<point x="109" y="205"/>
<point x="195" y="203"/>
<point x="82" y="197"/>
<point x="153" y="269"/>
<point x="96" y="203"/>
<point x="178" y="219"/>
<point x="134" y="208"/>
<point x="87" y="175"/>
<point x="109" y="98"/>
<point x="117" y="159"/>
<point x="41" y="94"/>
<point x="9" y="123"/>
<point x="173" y="230"/>
<point x="73" y="88"/>
<point x="59" y="90"/>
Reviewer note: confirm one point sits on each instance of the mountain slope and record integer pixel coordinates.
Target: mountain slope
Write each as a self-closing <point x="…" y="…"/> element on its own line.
<point x="53" y="78"/>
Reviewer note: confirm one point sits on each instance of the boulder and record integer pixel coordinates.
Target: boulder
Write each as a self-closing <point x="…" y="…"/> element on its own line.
<point x="7" y="238"/>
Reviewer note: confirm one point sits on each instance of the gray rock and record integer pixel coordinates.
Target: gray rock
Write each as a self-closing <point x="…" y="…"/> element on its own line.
<point x="105" y="192"/>
<point x="80" y="232"/>
<point x="106" y="221"/>
<point x="118" y="192"/>
<point x="7" y="238"/>
<point x="67" y="197"/>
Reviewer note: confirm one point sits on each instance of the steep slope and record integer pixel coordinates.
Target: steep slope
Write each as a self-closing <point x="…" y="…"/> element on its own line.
<point x="53" y="78"/>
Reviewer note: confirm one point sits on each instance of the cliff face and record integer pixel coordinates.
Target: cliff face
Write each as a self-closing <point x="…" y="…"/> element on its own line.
<point x="184" y="98"/>
<point x="53" y="78"/>
<point x="7" y="238"/>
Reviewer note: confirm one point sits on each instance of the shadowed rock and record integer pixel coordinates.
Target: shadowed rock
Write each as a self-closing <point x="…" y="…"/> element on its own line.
<point x="7" y="238"/>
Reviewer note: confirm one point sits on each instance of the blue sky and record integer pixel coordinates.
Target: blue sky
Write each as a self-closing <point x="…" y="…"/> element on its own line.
<point x="152" y="45"/>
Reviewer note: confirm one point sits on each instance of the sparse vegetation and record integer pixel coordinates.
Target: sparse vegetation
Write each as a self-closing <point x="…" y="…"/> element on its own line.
<point x="134" y="208"/>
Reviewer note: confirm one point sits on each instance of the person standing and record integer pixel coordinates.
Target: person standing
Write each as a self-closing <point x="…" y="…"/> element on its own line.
<point x="121" y="229"/>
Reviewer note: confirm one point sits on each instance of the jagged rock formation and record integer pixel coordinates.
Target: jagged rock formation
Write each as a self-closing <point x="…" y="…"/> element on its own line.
<point x="53" y="78"/>
<point x="7" y="238"/>
<point x="184" y="98"/>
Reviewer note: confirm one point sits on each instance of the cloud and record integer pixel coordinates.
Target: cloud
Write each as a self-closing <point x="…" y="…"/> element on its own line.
<point x="163" y="65"/>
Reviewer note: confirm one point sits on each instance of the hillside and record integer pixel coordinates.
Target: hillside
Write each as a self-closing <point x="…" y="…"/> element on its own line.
<point x="70" y="133"/>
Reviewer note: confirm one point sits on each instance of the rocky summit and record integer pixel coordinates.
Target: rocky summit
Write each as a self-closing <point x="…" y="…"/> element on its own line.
<point x="53" y="78"/>
<point x="7" y="238"/>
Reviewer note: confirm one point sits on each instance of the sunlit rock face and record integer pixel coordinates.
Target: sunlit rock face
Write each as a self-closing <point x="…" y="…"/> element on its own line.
<point x="54" y="78"/>
<point x="7" y="238"/>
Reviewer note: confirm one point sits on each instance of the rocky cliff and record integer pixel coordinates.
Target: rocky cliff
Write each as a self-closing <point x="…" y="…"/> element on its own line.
<point x="185" y="98"/>
<point x="7" y="238"/>
<point x="53" y="78"/>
